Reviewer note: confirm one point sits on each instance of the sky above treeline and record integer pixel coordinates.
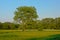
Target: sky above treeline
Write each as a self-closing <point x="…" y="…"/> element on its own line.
<point x="45" y="8"/>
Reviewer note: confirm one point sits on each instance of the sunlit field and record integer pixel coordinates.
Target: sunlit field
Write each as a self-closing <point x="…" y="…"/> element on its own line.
<point x="24" y="35"/>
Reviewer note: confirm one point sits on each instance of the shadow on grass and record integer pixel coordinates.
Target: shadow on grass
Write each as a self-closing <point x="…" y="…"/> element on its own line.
<point x="52" y="37"/>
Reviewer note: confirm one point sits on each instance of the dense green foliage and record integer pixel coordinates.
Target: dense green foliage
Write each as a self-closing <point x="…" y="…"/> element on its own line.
<point x="8" y="25"/>
<point x="46" y="23"/>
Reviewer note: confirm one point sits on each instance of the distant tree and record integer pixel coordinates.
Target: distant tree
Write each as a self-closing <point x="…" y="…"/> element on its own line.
<point x="8" y="25"/>
<point x="57" y="22"/>
<point x="25" y="15"/>
<point x="1" y="25"/>
<point x="38" y="25"/>
<point x="48" y="23"/>
<point x="5" y="25"/>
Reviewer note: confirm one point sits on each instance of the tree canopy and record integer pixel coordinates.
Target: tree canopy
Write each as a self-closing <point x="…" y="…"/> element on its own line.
<point x="25" y="13"/>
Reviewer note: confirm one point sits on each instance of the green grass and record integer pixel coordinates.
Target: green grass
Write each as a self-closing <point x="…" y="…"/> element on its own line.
<point x="26" y="35"/>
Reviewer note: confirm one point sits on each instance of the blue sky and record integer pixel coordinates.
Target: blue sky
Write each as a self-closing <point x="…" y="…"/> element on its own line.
<point x="45" y="8"/>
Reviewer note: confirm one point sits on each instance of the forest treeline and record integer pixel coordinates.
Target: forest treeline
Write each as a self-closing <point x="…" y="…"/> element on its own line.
<point x="46" y="23"/>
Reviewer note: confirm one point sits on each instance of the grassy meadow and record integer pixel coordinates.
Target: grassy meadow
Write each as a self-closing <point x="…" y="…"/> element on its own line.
<point x="25" y="35"/>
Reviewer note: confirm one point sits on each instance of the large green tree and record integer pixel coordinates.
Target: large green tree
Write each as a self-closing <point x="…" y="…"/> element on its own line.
<point x="25" y="14"/>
